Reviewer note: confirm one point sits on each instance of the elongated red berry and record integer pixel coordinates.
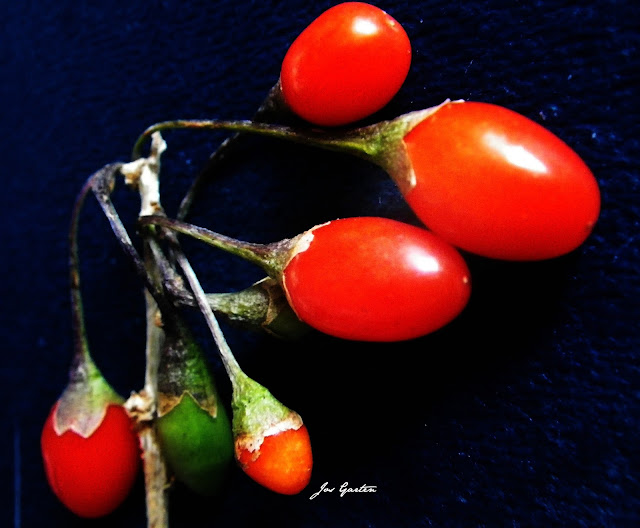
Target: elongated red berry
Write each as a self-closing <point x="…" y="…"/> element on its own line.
<point x="375" y="279"/>
<point x="92" y="476"/>
<point x="347" y="64"/>
<point x="495" y="183"/>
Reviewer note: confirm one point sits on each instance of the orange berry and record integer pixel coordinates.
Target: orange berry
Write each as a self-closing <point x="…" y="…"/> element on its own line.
<point x="282" y="463"/>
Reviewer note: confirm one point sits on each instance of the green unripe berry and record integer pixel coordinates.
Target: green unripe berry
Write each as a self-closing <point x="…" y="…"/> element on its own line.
<point x="193" y="427"/>
<point x="197" y="447"/>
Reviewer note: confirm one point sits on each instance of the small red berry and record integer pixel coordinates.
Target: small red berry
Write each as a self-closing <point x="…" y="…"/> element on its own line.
<point x="92" y="476"/>
<point x="347" y="64"/>
<point x="282" y="463"/>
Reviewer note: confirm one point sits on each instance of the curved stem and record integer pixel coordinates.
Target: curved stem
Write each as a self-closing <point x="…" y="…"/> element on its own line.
<point x="359" y="142"/>
<point x="381" y="143"/>
<point x="273" y="106"/>
<point x="268" y="256"/>
<point x="77" y="311"/>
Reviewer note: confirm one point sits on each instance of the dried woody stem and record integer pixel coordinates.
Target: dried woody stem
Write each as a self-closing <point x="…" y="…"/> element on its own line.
<point x="143" y="174"/>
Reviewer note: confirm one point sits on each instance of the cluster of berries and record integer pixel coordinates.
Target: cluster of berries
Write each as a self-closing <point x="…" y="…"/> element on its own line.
<point x="482" y="178"/>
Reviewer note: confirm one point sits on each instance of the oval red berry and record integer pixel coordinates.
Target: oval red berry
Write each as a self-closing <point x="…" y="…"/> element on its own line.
<point x="495" y="183"/>
<point x="375" y="279"/>
<point x="92" y="476"/>
<point x="347" y="64"/>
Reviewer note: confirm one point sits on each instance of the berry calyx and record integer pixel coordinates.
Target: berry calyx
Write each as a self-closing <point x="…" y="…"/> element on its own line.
<point x="263" y="306"/>
<point x="272" y="444"/>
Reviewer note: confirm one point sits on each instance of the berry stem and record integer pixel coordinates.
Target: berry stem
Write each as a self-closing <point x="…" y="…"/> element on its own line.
<point x="273" y="106"/>
<point x="381" y="143"/>
<point x="357" y="142"/>
<point x="267" y="256"/>
<point x="249" y="308"/>
<point x="236" y="375"/>
<point x="87" y="389"/>
<point x="77" y="309"/>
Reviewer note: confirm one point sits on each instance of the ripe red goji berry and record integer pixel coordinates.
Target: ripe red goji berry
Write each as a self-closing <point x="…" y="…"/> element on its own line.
<point x="92" y="475"/>
<point x="491" y="181"/>
<point x="347" y="64"/>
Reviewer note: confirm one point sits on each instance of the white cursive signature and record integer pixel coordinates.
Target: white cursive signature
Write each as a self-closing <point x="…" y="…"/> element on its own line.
<point x="344" y="489"/>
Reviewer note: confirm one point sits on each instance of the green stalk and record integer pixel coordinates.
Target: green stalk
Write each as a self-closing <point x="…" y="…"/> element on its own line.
<point x="236" y="375"/>
<point x="77" y="308"/>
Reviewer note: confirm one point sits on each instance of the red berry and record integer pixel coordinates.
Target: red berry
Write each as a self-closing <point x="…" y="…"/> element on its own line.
<point x="347" y="64"/>
<point x="282" y="463"/>
<point x="92" y="476"/>
<point x="375" y="279"/>
<point x="492" y="182"/>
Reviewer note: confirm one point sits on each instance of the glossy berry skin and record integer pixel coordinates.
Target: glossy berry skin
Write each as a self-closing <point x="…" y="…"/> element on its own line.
<point x="92" y="476"/>
<point x="495" y="183"/>
<point x="283" y="463"/>
<point x="347" y="64"/>
<point x="375" y="279"/>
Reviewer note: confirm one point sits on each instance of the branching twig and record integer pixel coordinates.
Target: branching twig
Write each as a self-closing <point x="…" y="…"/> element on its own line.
<point x="144" y="175"/>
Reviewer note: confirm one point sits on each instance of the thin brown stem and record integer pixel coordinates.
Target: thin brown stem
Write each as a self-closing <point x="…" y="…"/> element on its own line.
<point x="77" y="310"/>
<point x="358" y="142"/>
<point x="267" y="256"/>
<point x="236" y="375"/>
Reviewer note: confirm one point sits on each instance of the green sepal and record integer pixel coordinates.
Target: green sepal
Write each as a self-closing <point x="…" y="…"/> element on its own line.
<point x="84" y="402"/>
<point x="386" y="147"/>
<point x="257" y="414"/>
<point x="261" y="306"/>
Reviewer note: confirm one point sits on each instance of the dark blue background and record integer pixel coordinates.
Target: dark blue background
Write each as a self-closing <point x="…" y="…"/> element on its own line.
<point x="523" y="412"/>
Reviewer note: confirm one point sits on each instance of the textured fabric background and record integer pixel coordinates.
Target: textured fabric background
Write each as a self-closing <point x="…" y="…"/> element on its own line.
<point x="523" y="412"/>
